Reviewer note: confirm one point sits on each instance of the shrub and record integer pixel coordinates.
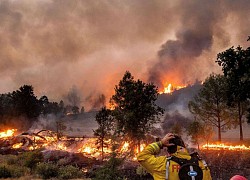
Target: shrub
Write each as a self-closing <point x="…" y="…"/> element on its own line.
<point x="110" y="169"/>
<point x="47" y="170"/>
<point x="64" y="161"/>
<point x="69" y="172"/>
<point x="11" y="159"/>
<point x="4" y="172"/>
<point x="18" y="171"/>
<point x="30" y="159"/>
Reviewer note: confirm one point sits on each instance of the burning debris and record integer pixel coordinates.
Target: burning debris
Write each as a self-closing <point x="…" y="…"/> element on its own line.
<point x="50" y="141"/>
<point x="80" y="152"/>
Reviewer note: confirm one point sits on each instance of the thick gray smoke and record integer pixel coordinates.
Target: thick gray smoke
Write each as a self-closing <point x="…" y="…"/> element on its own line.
<point x="53" y="44"/>
<point x="188" y="56"/>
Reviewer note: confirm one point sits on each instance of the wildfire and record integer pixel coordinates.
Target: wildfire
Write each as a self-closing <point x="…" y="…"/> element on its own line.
<point x="223" y="146"/>
<point x="169" y="88"/>
<point x="48" y="140"/>
<point x="125" y="147"/>
<point x="16" y="146"/>
<point x="7" y="133"/>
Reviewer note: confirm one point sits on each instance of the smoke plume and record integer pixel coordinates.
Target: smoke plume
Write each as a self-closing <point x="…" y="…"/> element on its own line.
<point x="188" y="56"/>
<point x="52" y="44"/>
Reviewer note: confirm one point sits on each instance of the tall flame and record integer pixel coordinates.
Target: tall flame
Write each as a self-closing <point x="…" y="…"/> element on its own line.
<point x="169" y="88"/>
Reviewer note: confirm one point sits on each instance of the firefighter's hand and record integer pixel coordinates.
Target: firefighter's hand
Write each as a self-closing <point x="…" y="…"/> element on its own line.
<point x="165" y="140"/>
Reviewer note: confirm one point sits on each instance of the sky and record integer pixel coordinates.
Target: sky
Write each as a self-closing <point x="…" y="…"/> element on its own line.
<point x="88" y="45"/>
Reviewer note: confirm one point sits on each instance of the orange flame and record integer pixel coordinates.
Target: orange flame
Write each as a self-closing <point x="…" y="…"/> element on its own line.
<point x="87" y="146"/>
<point x="169" y="88"/>
<point x="16" y="146"/>
<point x="7" y="133"/>
<point x="223" y="146"/>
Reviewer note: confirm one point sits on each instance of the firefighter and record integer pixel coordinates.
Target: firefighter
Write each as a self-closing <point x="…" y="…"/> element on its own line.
<point x="162" y="167"/>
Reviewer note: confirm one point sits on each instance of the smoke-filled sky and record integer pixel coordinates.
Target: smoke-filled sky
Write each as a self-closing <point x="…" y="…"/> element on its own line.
<point x="55" y="45"/>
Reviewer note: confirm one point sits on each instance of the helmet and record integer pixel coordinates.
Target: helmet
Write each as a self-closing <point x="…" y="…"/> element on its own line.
<point x="238" y="177"/>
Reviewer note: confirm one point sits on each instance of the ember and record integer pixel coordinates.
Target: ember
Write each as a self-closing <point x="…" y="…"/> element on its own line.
<point x="223" y="146"/>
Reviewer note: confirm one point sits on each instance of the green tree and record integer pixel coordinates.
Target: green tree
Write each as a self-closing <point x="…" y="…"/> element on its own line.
<point x="6" y="105"/>
<point x="235" y="64"/>
<point x="44" y="102"/>
<point x="210" y="106"/>
<point x="105" y="124"/>
<point x="135" y="110"/>
<point x="49" y="107"/>
<point x="25" y="102"/>
<point x="199" y="131"/>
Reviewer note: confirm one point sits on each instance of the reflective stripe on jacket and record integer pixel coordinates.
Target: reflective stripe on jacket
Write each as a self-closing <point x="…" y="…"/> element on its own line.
<point x="156" y="165"/>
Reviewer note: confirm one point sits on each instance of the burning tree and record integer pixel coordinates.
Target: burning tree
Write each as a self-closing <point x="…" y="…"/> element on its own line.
<point x="135" y="110"/>
<point x="105" y="121"/>
<point x="210" y="104"/>
<point x="236" y="68"/>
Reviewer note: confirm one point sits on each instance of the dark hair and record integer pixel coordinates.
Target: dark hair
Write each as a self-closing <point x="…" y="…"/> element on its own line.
<point x="177" y="141"/>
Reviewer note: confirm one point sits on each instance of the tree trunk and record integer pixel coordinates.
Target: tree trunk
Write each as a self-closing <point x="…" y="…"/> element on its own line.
<point x="240" y="120"/>
<point x="102" y="144"/>
<point x="219" y="130"/>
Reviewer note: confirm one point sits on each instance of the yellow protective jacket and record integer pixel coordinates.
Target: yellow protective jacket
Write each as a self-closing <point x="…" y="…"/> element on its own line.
<point x="156" y="165"/>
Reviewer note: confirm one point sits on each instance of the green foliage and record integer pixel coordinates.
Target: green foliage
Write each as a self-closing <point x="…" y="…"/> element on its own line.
<point x="135" y="109"/>
<point x="47" y="170"/>
<point x="4" y="172"/>
<point x="18" y="171"/>
<point x="14" y="171"/>
<point x="11" y="159"/>
<point x="26" y="103"/>
<point x="50" y="107"/>
<point x="105" y="124"/>
<point x="30" y="159"/>
<point x="69" y="172"/>
<point x="23" y="103"/>
<point x="210" y="105"/>
<point x="110" y="169"/>
<point x="235" y="64"/>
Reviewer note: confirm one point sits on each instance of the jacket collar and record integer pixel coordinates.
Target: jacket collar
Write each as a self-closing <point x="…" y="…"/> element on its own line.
<point x="181" y="153"/>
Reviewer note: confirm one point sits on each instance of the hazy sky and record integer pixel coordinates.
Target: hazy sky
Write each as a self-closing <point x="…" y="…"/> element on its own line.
<point x="54" y="45"/>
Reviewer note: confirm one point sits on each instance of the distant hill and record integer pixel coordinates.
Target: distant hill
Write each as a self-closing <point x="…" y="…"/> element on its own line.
<point x="176" y="109"/>
<point x="81" y="124"/>
<point x="178" y="100"/>
<point x="84" y="124"/>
